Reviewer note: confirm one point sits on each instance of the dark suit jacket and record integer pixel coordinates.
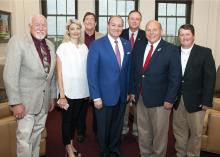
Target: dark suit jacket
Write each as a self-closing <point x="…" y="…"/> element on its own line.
<point x="198" y="81"/>
<point x="140" y="37"/>
<point x="106" y="80"/>
<point x="161" y="81"/>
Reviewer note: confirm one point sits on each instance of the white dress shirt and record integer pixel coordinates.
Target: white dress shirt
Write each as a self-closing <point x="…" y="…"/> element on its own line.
<point x="148" y="49"/>
<point x="184" y="58"/>
<point x="74" y="69"/>
<point x="135" y="34"/>
<point x="121" y="49"/>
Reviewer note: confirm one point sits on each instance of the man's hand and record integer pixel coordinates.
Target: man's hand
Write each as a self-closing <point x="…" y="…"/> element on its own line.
<point x="98" y="104"/>
<point x="18" y="110"/>
<point x="52" y="104"/>
<point x="167" y="105"/>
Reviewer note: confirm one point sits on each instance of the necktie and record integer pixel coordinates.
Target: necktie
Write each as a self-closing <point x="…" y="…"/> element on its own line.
<point x="132" y="40"/>
<point x="45" y="61"/>
<point x="147" y="60"/>
<point x="117" y="53"/>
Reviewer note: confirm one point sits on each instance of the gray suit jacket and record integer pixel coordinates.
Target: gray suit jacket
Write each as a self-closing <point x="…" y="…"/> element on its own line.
<point x="24" y="76"/>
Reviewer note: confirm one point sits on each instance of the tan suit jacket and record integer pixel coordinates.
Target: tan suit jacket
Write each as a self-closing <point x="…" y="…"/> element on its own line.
<point x="24" y="76"/>
<point x="97" y="36"/>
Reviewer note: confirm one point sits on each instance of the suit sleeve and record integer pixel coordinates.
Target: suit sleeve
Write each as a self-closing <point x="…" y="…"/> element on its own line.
<point x="209" y="77"/>
<point x="12" y="71"/>
<point x="174" y="76"/>
<point x="93" y="71"/>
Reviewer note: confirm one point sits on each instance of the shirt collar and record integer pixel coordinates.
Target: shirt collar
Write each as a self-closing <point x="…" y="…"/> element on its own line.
<point x="183" y="50"/>
<point x="154" y="44"/>
<point x="135" y="33"/>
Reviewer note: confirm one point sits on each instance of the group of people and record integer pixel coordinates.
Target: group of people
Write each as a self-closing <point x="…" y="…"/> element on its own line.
<point x="107" y="72"/>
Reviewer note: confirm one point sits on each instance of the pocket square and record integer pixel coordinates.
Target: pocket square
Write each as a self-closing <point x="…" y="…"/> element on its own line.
<point x="128" y="53"/>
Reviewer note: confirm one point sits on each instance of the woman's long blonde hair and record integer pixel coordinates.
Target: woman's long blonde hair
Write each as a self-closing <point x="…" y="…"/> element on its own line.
<point x="66" y="37"/>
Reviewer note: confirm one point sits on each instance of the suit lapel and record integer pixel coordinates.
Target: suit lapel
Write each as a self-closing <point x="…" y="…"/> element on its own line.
<point x="126" y="52"/>
<point x="110" y="50"/>
<point x="190" y="60"/>
<point x="33" y="50"/>
<point x="156" y="52"/>
<point x="52" y="56"/>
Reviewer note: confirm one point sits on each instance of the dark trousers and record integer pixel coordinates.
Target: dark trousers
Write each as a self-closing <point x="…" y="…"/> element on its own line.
<point x="70" y="119"/>
<point x="81" y="123"/>
<point x="109" y="125"/>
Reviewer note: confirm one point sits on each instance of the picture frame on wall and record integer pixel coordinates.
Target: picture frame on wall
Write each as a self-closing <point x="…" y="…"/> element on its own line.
<point x="5" y="26"/>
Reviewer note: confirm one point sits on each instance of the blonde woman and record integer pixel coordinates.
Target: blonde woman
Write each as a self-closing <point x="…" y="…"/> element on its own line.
<point x="72" y="82"/>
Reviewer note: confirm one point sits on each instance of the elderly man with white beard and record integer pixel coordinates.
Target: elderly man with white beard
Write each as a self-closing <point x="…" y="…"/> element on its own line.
<point x="30" y="84"/>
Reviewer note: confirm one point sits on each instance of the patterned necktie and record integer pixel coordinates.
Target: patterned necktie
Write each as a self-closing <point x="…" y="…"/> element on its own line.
<point x="147" y="60"/>
<point x="45" y="61"/>
<point x="117" y="53"/>
<point x="132" y="40"/>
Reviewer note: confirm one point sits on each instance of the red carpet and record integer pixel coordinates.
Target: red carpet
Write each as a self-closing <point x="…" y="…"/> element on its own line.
<point x="89" y="147"/>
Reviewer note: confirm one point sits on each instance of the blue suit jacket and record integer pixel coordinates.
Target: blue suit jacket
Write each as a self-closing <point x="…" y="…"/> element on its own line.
<point x="106" y="80"/>
<point x="161" y="80"/>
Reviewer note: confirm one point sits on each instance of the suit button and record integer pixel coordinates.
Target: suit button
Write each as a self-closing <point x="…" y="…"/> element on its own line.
<point x="44" y="91"/>
<point x="143" y="76"/>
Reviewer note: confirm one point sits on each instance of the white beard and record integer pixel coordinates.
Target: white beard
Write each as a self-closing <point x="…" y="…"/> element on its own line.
<point x="40" y="36"/>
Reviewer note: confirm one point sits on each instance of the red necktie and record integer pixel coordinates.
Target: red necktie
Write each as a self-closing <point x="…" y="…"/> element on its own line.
<point x="117" y="53"/>
<point x="147" y="60"/>
<point x="132" y="40"/>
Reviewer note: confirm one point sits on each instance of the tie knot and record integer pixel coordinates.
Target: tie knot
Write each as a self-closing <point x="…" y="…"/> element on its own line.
<point x="132" y="34"/>
<point x="116" y="42"/>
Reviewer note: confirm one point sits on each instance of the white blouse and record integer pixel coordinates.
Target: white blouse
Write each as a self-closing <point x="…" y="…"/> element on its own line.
<point x="74" y="74"/>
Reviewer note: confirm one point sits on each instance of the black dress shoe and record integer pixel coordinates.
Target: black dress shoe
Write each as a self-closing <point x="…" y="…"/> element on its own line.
<point x="118" y="154"/>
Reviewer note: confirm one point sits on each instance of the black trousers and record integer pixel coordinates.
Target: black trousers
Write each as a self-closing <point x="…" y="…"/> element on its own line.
<point x="70" y="119"/>
<point x="109" y="125"/>
<point x="81" y="125"/>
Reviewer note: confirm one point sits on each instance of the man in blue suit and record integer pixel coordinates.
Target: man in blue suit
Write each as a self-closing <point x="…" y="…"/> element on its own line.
<point x="108" y="70"/>
<point x="156" y="74"/>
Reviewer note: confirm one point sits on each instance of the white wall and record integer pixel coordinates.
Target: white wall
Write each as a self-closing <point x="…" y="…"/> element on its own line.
<point x="205" y="18"/>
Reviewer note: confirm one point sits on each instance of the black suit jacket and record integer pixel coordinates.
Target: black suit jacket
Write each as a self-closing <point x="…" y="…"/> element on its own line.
<point x="140" y="37"/>
<point x="161" y="81"/>
<point x="198" y="80"/>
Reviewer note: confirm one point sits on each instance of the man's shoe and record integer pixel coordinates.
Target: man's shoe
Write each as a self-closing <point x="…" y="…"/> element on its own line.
<point x="80" y="138"/>
<point x="118" y="154"/>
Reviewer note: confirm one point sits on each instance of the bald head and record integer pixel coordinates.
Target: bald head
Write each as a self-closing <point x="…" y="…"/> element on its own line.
<point x="153" y="31"/>
<point x="38" y="26"/>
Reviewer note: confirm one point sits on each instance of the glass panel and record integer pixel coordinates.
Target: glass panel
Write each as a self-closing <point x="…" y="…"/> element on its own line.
<point x="61" y="20"/>
<point x="171" y="9"/>
<point x="180" y="22"/>
<point x="51" y="22"/>
<point x="103" y="25"/>
<point x="121" y="8"/>
<point x="112" y="7"/>
<point x="103" y="7"/>
<point x="69" y="17"/>
<point x="71" y="7"/>
<point x="162" y="9"/>
<point x="51" y="7"/>
<point x="181" y="9"/>
<point x="124" y="19"/>
<point x="171" y="26"/>
<point x="162" y="20"/>
<point x="61" y="7"/>
<point x="130" y="6"/>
